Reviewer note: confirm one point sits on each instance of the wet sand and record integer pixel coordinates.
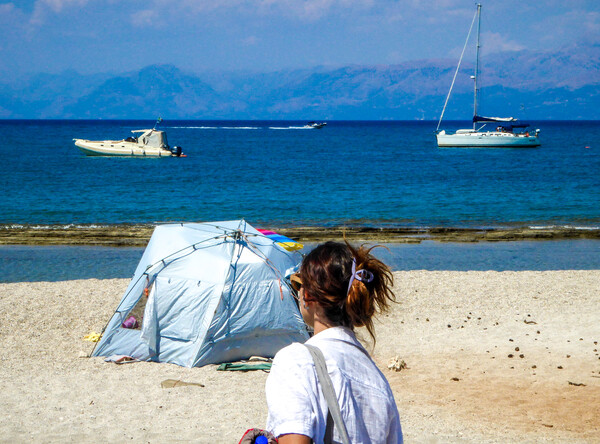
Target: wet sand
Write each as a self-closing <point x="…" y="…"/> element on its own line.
<point x="490" y="356"/>
<point x="130" y="235"/>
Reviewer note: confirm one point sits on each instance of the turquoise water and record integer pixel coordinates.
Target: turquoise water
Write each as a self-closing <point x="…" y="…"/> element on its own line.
<point x="56" y="263"/>
<point x="275" y="173"/>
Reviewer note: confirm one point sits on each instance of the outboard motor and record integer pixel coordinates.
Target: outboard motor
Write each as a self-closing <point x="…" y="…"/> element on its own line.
<point x="176" y="150"/>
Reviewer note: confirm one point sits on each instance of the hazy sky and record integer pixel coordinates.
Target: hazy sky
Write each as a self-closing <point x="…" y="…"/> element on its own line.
<point x="93" y="36"/>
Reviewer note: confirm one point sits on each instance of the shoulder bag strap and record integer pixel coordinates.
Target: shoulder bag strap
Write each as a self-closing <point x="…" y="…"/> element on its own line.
<point x="328" y="392"/>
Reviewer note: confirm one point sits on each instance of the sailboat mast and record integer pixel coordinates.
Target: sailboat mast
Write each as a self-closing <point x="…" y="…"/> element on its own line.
<point x="476" y="64"/>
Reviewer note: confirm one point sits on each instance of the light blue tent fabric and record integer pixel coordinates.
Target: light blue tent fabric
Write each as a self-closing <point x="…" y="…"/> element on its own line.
<point x="217" y="293"/>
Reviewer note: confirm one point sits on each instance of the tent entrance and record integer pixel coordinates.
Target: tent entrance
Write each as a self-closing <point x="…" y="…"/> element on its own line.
<point x="138" y="313"/>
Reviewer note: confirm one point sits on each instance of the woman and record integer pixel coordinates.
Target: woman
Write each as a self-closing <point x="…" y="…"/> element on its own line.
<point x="340" y="288"/>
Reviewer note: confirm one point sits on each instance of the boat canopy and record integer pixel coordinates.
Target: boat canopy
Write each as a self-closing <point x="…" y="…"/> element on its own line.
<point x="153" y="138"/>
<point x="493" y="119"/>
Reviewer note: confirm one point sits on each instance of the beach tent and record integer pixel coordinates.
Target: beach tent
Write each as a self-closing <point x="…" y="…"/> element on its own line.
<point x="209" y="293"/>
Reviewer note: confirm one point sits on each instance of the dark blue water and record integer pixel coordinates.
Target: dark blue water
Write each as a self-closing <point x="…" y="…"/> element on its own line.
<point x="57" y="263"/>
<point x="271" y="173"/>
<point x="275" y="173"/>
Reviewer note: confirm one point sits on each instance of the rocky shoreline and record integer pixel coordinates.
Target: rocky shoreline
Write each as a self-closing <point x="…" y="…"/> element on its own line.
<point x="133" y="235"/>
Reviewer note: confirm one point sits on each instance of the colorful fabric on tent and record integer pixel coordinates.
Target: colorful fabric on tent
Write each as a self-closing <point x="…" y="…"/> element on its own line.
<point x="285" y="242"/>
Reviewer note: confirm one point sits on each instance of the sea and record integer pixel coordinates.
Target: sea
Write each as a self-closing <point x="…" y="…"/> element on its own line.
<point x="279" y="173"/>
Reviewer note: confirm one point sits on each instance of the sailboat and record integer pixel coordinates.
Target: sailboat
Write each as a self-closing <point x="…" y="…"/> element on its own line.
<point x="508" y="132"/>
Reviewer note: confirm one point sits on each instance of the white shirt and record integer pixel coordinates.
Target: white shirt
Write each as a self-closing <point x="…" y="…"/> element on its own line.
<point x="296" y="402"/>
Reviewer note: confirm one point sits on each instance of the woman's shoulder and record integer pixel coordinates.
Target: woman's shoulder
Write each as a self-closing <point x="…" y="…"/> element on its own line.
<point x="295" y="354"/>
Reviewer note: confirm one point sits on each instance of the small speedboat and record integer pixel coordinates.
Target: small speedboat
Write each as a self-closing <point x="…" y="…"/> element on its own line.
<point x="150" y="143"/>
<point x="315" y="125"/>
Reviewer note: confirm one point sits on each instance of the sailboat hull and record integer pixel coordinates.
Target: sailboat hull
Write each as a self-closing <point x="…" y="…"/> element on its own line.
<point x="487" y="139"/>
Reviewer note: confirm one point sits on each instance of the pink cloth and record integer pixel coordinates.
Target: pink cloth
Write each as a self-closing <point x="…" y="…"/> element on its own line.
<point x="130" y="322"/>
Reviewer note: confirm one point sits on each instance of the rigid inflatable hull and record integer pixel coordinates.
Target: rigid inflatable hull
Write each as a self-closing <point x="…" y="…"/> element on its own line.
<point x="114" y="148"/>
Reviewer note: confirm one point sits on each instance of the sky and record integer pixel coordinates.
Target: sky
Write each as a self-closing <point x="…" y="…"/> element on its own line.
<point x="115" y="36"/>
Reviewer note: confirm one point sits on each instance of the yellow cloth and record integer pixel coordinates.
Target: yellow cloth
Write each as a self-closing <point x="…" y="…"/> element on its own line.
<point x="291" y="246"/>
<point x="92" y="337"/>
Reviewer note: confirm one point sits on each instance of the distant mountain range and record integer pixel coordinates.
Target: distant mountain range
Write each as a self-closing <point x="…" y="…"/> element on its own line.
<point x="560" y="85"/>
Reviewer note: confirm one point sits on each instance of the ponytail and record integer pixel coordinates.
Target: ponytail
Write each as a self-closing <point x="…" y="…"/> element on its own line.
<point x="350" y="284"/>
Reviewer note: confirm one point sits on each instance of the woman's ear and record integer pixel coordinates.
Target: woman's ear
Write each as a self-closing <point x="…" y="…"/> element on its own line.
<point x="306" y="296"/>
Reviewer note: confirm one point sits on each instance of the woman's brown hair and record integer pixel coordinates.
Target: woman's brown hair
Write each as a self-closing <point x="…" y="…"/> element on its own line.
<point x="348" y="299"/>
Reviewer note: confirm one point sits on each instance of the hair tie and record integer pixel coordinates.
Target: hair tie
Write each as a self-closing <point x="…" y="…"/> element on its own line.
<point x="360" y="275"/>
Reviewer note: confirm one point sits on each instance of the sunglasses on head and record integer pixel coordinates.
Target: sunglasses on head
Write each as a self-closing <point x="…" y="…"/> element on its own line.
<point x="296" y="281"/>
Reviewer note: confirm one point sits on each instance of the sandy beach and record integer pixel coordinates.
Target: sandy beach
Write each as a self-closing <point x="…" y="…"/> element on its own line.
<point x="490" y="356"/>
